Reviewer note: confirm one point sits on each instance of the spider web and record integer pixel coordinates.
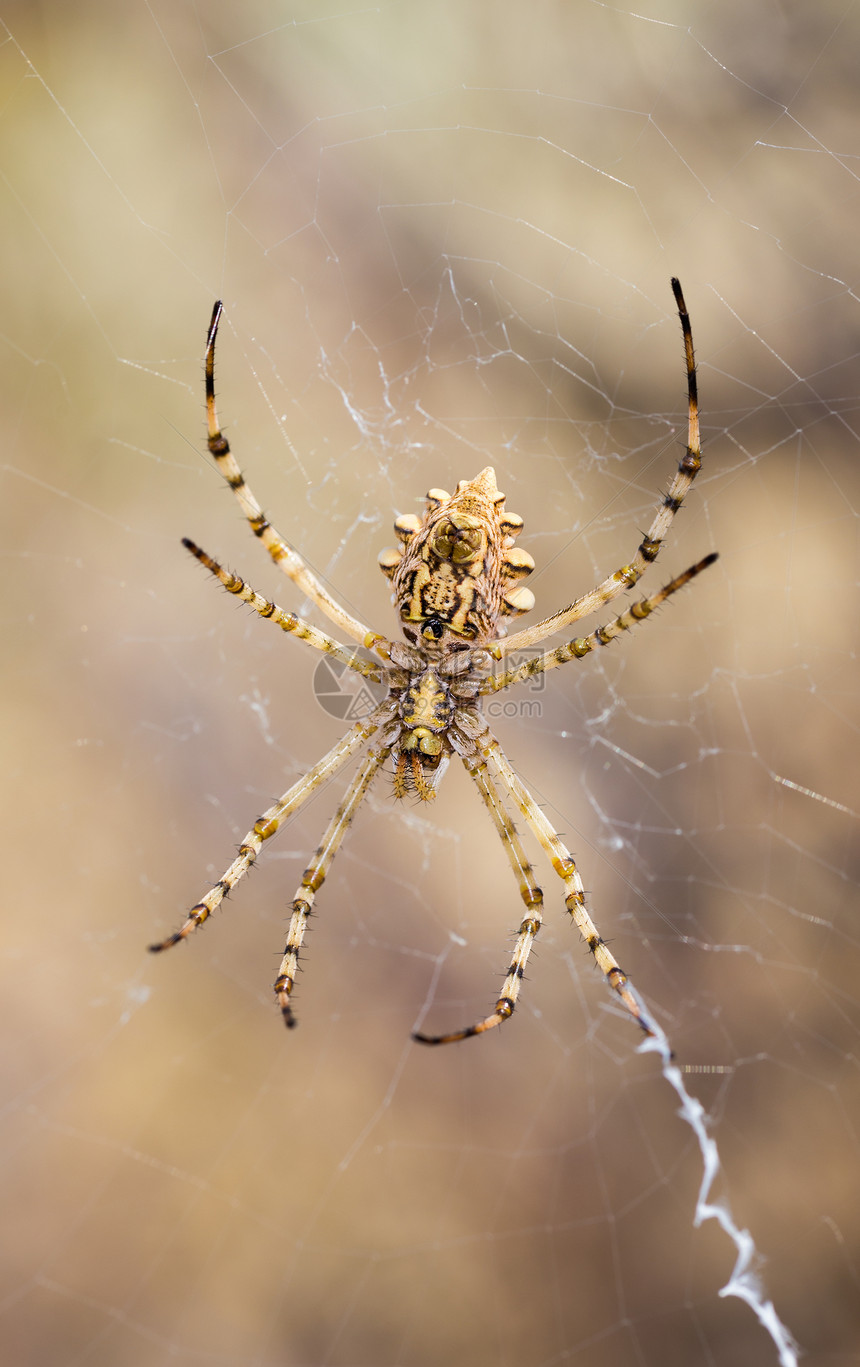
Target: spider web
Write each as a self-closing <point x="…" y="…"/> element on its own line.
<point x="444" y="236"/>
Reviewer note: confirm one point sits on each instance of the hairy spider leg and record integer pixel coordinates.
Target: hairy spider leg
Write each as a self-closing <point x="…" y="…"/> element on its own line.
<point x="476" y="767"/>
<point x="270" y="822"/>
<point x="602" y="636"/>
<point x="315" y="875"/>
<point x="287" y="621"/>
<point x="283" y="554"/>
<point x="628" y="575"/>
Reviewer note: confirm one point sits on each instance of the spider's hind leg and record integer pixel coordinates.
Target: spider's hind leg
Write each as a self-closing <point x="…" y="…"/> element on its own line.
<point x="285" y="556"/>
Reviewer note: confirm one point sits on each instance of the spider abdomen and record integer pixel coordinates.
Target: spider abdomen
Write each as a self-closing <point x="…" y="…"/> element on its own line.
<point x="454" y="573"/>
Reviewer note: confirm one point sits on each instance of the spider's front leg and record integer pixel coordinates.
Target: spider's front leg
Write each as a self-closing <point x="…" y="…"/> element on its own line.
<point x="315" y="874"/>
<point x="270" y="822"/>
<point x="564" y="865"/>
<point x="531" y="894"/>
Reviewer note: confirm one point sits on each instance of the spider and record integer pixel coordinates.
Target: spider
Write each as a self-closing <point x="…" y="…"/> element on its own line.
<point x="455" y="578"/>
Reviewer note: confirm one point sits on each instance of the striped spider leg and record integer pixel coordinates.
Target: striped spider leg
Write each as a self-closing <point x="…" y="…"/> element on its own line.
<point x="283" y="554"/>
<point x="292" y="564"/>
<point x="649" y="548"/>
<point x="455" y="578"/>
<point x="271" y="821"/>
<point x="509" y="785"/>
<point x="314" y="875"/>
<point x="476" y="767"/>
<point x="581" y="646"/>
<point x="489" y="752"/>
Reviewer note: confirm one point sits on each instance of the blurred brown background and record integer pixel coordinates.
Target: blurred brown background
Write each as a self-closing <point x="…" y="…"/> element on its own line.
<point x="444" y="235"/>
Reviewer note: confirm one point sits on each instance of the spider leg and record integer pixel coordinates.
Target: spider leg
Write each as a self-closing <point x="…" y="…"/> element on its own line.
<point x="628" y="575"/>
<point x="287" y="621"/>
<point x="283" y="554"/>
<point x="531" y="894"/>
<point x="563" y="863"/>
<point x="583" y="645"/>
<point x="272" y="819"/>
<point x="315" y="875"/>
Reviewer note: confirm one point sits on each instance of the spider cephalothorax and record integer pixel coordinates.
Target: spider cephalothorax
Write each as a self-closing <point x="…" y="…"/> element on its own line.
<point x="454" y="580"/>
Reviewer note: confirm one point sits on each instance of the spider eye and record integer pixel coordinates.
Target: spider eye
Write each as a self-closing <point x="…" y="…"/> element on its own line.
<point x="434" y="627"/>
